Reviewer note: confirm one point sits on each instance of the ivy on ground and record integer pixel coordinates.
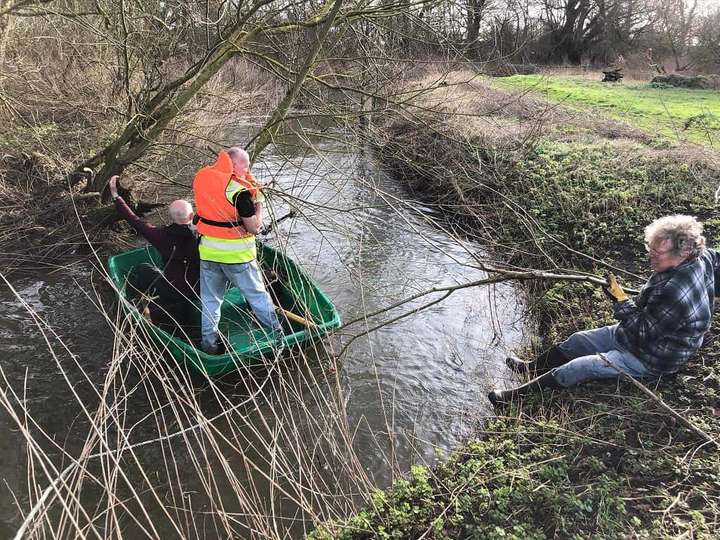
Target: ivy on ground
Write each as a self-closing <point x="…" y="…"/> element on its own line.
<point x="602" y="460"/>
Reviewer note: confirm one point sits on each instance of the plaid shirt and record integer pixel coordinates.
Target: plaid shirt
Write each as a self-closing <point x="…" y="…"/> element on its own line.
<point x="665" y="324"/>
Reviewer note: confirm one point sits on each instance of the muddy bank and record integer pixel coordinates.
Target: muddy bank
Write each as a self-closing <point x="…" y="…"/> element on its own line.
<point x="560" y="192"/>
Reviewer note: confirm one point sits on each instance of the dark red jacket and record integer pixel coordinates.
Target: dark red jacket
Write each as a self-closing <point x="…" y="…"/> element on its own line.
<point x="177" y="244"/>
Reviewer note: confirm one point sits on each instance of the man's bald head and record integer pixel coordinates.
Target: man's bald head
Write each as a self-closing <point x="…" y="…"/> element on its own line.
<point x="181" y="212"/>
<point x="240" y="159"/>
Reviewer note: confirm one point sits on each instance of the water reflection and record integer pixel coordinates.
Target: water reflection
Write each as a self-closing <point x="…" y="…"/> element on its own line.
<point x="420" y="382"/>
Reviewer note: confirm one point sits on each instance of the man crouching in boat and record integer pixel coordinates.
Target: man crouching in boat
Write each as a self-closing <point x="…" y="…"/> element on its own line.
<point x="229" y="214"/>
<point x="658" y="331"/>
<point x="176" y="285"/>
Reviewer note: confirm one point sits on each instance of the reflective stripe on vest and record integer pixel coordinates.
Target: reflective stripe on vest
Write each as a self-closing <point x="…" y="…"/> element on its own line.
<point x="233" y="188"/>
<point x="228" y="251"/>
<point x="249" y="183"/>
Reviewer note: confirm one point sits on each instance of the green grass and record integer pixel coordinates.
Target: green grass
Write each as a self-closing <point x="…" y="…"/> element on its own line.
<point x="678" y="113"/>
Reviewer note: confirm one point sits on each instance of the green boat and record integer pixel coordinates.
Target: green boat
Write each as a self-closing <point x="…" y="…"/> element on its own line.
<point x="307" y="313"/>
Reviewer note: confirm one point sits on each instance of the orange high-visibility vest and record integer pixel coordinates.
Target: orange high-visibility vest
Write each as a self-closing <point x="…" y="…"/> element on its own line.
<point x="217" y="216"/>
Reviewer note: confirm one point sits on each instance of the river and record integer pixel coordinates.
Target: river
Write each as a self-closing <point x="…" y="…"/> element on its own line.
<point x="406" y="393"/>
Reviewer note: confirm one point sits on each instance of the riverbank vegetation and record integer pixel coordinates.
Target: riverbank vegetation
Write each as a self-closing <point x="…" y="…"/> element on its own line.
<point x="555" y="189"/>
<point x="52" y="125"/>
<point x="152" y="89"/>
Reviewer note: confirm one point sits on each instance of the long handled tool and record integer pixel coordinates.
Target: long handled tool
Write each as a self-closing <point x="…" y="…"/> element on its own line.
<point x="296" y="318"/>
<point x="274" y="278"/>
<point x="269" y="228"/>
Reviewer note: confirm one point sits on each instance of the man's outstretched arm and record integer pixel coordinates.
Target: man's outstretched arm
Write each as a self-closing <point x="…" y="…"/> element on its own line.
<point x="147" y="230"/>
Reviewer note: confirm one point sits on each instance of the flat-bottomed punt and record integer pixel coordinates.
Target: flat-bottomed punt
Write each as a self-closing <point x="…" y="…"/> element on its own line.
<point x="291" y="289"/>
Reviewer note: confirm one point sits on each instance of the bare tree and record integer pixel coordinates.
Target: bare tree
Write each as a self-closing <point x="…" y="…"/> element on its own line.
<point x="475" y="12"/>
<point x="156" y="105"/>
<point x="706" y="51"/>
<point x="598" y="30"/>
<point x="675" y="21"/>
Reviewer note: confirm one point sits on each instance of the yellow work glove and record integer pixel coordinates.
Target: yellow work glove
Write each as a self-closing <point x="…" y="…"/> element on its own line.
<point x="614" y="290"/>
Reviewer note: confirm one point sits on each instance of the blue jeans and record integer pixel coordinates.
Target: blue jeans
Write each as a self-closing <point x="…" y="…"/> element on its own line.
<point x="587" y="364"/>
<point x="214" y="277"/>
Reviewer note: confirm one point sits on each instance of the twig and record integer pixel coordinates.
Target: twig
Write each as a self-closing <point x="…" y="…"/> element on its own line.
<point x="649" y="393"/>
<point x="503" y="275"/>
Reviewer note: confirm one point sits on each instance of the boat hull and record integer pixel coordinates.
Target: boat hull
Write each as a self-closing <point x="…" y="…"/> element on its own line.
<point x="291" y="288"/>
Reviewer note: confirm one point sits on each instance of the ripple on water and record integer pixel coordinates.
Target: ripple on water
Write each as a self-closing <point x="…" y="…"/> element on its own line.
<point x="413" y="386"/>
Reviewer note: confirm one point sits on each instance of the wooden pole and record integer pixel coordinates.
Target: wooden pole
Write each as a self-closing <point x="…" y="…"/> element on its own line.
<point x="296" y="318"/>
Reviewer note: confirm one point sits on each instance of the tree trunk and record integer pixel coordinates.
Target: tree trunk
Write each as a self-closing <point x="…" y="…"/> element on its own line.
<point x="155" y="115"/>
<point x="474" y="18"/>
<point x="270" y="128"/>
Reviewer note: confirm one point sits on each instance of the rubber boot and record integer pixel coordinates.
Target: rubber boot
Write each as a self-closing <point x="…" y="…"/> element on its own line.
<point x="546" y="361"/>
<point x="505" y="396"/>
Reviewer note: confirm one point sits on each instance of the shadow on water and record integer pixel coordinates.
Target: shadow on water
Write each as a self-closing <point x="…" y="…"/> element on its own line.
<point x="405" y="393"/>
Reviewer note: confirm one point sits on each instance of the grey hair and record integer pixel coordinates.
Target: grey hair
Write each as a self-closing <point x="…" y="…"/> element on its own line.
<point x="179" y="211"/>
<point x="684" y="232"/>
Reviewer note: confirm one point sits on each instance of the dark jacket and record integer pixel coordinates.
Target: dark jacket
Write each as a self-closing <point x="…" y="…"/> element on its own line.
<point x="177" y="244"/>
<point x="664" y="326"/>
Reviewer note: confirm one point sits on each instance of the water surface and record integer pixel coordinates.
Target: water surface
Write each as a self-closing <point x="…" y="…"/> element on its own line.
<point x="410" y="391"/>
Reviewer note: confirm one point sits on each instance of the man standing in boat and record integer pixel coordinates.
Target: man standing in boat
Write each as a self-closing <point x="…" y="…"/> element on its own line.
<point x="176" y="285"/>
<point x="229" y="215"/>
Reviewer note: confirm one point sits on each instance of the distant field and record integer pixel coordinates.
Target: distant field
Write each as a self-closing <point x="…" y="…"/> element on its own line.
<point x="681" y="114"/>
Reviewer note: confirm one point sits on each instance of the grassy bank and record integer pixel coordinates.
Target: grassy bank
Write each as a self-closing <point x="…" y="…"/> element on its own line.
<point x="552" y="189"/>
<point x="678" y="113"/>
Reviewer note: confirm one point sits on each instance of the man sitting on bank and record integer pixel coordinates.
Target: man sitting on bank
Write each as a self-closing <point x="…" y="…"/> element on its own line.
<point x="657" y="333"/>
<point x="229" y="214"/>
<point x="176" y="285"/>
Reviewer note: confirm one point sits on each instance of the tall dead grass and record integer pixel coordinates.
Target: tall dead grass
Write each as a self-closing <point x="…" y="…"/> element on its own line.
<point x="263" y="452"/>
